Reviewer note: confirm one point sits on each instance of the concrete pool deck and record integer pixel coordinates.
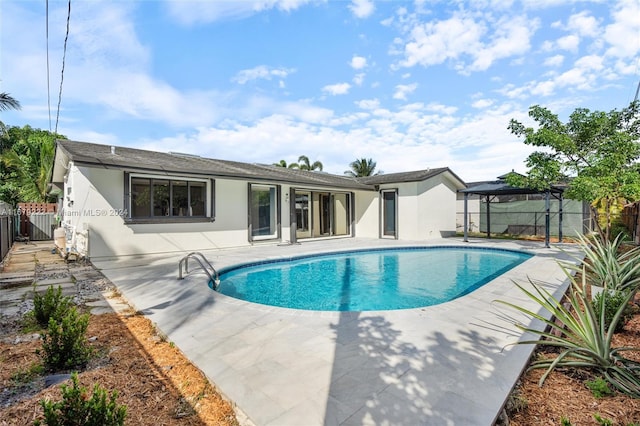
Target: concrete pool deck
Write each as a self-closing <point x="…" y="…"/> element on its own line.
<point x="447" y="364"/>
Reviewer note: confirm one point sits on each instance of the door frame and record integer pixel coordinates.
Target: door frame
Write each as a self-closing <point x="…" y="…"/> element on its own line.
<point x="383" y="211"/>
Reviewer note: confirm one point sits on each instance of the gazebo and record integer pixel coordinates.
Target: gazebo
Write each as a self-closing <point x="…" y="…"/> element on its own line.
<point x="489" y="190"/>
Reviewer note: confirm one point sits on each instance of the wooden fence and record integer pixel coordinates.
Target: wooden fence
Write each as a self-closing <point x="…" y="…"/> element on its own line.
<point x="33" y="223"/>
<point x="631" y="218"/>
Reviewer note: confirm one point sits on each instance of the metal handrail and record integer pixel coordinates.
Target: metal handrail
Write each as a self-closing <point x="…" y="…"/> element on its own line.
<point x="202" y="261"/>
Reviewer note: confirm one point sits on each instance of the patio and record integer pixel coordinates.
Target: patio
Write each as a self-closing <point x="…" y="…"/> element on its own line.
<point x="444" y="364"/>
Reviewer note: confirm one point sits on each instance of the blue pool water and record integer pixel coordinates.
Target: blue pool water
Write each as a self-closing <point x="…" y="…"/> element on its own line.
<point x="369" y="280"/>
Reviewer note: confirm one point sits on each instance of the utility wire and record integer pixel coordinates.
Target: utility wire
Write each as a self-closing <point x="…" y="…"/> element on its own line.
<point x="47" y="37"/>
<point x="64" y="55"/>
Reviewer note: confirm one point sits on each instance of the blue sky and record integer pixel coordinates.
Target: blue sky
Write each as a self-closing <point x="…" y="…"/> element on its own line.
<point x="413" y="85"/>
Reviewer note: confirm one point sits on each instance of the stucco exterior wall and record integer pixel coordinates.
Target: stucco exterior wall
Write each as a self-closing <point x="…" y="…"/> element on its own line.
<point x="367" y="217"/>
<point x="94" y="210"/>
<point x="98" y="202"/>
<point x="436" y="207"/>
<point x="426" y="209"/>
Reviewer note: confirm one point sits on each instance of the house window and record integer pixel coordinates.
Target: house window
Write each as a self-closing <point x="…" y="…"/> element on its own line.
<point x="263" y="212"/>
<point x="157" y="198"/>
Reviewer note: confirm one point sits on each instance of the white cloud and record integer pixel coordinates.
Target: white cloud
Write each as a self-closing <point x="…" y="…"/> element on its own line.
<point x="362" y="8"/>
<point x="337" y="89"/>
<point x="472" y="43"/>
<point x="584" y="24"/>
<point x="402" y="90"/>
<point x="358" y="62"/>
<point x="202" y="12"/>
<point x="368" y="104"/>
<point x="358" y="79"/>
<point x="512" y="37"/>
<point x="433" y="43"/>
<point x="554" y="61"/>
<point x="622" y="34"/>
<point x="261" y="72"/>
<point x="482" y="103"/>
<point x="569" y="42"/>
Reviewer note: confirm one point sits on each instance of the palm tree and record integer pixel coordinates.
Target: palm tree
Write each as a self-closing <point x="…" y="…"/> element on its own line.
<point x="283" y="163"/>
<point x="7" y="102"/>
<point x="305" y="164"/>
<point x="362" y="167"/>
<point x="29" y="164"/>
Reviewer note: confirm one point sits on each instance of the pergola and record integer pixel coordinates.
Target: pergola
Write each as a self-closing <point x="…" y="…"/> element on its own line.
<point x="490" y="190"/>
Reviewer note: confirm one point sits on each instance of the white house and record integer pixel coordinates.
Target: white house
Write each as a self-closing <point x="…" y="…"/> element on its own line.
<point x="121" y="201"/>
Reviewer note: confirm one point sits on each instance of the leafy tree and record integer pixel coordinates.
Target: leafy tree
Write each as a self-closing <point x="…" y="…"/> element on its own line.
<point x="305" y="164"/>
<point x="595" y="152"/>
<point x="26" y="162"/>
<point x="7" y="102"/>
<point x="362" y="167"/>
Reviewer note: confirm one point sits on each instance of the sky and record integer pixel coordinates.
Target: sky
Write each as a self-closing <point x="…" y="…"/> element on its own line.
<point x="410" y="84"/>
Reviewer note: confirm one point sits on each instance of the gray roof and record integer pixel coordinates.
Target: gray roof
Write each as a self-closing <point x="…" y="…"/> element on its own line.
<point x="132" y="159"/>
<point x="501" y="187"/>
<point x="97" y="155"/>
<point x="415" y="176"/>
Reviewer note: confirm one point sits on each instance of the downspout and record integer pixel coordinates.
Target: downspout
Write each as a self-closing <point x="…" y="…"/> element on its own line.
<point x="466" y="220"/>
<point x="293" y="221"/>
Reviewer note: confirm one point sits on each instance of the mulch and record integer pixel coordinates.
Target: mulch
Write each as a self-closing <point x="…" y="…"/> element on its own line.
<point x="153" y="378"/>
<point x="564" y="394"/>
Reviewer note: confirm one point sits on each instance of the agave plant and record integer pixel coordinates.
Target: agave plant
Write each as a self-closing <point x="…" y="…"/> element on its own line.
<point x="606" y="266"/>
<point x="581" y="335"/>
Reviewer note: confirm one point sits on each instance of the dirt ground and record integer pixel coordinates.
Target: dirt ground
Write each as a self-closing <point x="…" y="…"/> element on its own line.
<point x="564" y="395"/>
<point x="153" y="379"/>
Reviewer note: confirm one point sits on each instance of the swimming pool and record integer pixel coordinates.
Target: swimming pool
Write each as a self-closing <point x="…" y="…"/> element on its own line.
<point x="367" y="280"/>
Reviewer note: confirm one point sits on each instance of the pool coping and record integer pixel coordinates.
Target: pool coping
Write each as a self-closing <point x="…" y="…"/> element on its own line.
<point x="451" y="363"/>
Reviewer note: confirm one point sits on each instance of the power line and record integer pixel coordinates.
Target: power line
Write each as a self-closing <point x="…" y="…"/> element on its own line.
<point x="47" y="37"/>
<point x="64" y="55"/>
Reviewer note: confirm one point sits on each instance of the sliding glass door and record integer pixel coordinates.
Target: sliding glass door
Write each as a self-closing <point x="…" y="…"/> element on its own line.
<point x="303" y="214"/>
<point x="263" y="212"/>
<point x="322" y="214"/>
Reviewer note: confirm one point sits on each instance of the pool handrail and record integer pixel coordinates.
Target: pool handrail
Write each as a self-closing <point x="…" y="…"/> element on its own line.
<point x="204" y="264"/>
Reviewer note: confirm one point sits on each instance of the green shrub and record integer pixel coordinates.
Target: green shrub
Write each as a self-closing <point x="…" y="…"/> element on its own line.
<point x="612" y="302"/>
<point x="603" y="420"/>
<point x="599" y="387"/>
<point x="78" y="409"/>
<point x="64" y="344"/>
<point x="49" y="305"/>
<point x="26" y="375"/>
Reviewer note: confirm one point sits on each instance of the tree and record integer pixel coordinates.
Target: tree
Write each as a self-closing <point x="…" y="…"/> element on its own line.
<point x="7" y="102"/>
<point x="595" y="152"/>
<point x="26" y="163"/>
<point x="362" y="167"/>
<point x="283" y="163"/>
<point x="305" y="164"/>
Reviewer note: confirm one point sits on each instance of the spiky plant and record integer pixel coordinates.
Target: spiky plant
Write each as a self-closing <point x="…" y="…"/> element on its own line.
<point x="582" y="337"/>
<point x="607" y="266"/>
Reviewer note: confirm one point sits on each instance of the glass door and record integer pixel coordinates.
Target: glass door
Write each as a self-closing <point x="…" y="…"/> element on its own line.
<point x="389" y="213"/>
<point x="263" y="212"/>
<point x="303" y="215"/>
